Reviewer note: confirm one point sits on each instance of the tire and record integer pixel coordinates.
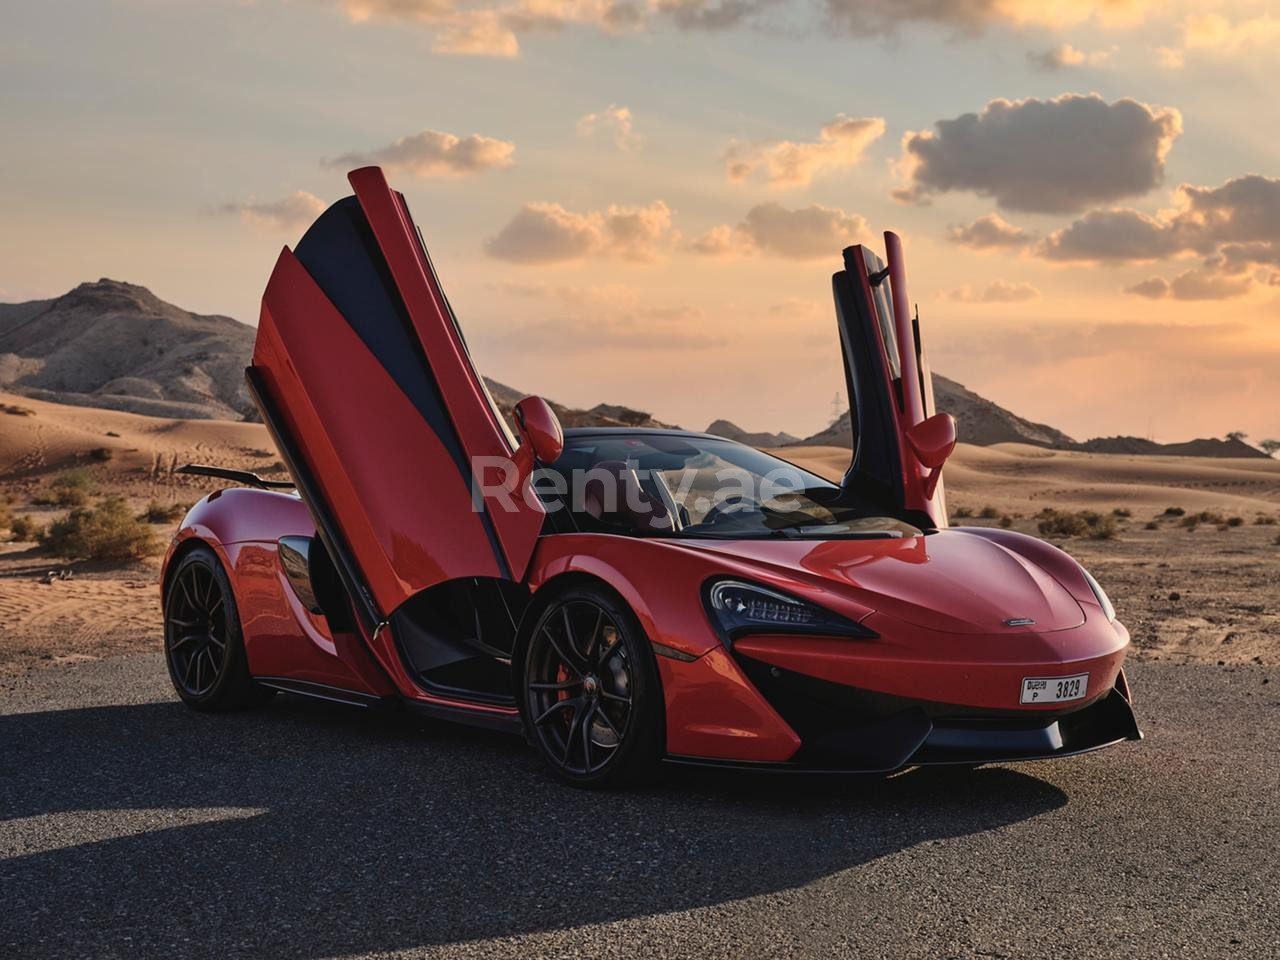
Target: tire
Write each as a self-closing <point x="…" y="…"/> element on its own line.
<point x="590" y="692"/>
<point x="203" y="645"/>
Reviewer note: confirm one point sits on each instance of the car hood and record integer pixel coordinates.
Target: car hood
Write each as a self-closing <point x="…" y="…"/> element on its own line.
<point x="950" y="581"/>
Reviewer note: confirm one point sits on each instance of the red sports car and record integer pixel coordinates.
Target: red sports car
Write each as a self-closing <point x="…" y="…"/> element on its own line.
<point x="621" y="597"/>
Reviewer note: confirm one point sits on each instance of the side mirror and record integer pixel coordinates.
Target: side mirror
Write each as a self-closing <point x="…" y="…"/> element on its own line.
<point x="540" y="428"/>
<point x="933" y="440"/>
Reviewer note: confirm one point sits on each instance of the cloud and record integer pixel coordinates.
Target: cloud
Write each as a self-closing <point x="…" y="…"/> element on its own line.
<point x="477" y="33"/>
<point x="1153" y="288"/>
<point x="1215" y="35"/>
<point x="1065" y="56"/>
<point x="709" y="14"/>
<point x="296" y="210"/>
<point x="426" y="11"/>
<point x="433" y="154"/>
<point x="1235" y="224"/>
<point x="1044" y="156"/>
<point x="1111" y="236"/>
<point x="991" y="232"/>
<point x="548" y="233"/>
<point x="614" y="120"/>
<point x="998" y="291"/>
<point x="808" y="233"/>
<point x="493" y="29"/>
<point x="969" y="17"/>
<point x="786" y="163"/>
<point x="1200" y="284"/>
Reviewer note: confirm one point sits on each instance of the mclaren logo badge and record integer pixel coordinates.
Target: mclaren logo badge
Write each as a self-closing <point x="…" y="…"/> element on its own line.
<point x="1019" y="622"/>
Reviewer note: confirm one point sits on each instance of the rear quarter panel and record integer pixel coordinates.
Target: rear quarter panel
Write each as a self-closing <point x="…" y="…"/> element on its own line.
<point x="281" y="637"/>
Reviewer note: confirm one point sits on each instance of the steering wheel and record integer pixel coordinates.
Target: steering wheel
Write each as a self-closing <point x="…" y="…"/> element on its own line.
<point x="729" y="507"/>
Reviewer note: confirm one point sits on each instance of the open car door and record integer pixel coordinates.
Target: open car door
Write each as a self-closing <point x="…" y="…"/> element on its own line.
<point x="364" y="379"/>
<point x="890" y="390"/>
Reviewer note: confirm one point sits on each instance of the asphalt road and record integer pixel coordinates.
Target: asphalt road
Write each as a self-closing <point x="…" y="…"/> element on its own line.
<point x="131" y="827"/>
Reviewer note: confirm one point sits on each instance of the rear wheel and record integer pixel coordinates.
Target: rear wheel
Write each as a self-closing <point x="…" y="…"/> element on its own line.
<point x="203" y="645"/>
<point x="592" y="698"/>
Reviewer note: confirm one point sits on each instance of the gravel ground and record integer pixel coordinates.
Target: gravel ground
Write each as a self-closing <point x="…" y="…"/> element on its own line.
<point x="132" y="827"/>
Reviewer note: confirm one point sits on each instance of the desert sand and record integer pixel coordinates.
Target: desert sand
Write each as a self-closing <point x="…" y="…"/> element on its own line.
<point x="1206" y="594"/>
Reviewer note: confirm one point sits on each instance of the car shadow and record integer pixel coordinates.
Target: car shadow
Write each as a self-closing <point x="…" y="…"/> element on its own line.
<point x="307" y="829"/>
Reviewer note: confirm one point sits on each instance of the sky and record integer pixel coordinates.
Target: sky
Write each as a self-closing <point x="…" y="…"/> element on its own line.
<point x="643" y="201"/>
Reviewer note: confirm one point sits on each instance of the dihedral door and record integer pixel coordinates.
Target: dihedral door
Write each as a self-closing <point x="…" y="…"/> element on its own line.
<point x="889" y="382"/>
<point x="363" y="373"/>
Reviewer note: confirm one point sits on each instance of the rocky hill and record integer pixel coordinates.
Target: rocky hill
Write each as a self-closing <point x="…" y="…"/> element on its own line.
<point x="978" y="421"/>
<point x="731" y="431"/>
<point x="116" y="345"/>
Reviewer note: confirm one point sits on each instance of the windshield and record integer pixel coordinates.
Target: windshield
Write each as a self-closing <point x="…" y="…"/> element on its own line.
<point x="691" y="486"/>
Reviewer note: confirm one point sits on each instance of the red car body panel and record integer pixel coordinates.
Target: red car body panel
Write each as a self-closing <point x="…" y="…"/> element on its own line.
<point x="388" y="428"/>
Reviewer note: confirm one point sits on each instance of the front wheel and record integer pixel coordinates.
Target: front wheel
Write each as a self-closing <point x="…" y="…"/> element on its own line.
<point x="592" y="698"/>
<point x="203" y="645"/>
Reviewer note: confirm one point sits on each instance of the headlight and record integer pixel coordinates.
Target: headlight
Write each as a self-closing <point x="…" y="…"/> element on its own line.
<point x="737" y="607"/>
<point x="1103" y="601"/>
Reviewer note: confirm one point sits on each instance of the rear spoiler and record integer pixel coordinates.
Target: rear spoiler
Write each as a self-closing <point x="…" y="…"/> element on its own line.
<point x="236" y="476"/>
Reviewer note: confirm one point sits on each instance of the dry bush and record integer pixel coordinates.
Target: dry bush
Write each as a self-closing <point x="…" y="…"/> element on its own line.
<point x="14" y="410"/>
<point x="1122" y="513"/>
<point x="1235" y="521"/>
<point x="1173" y="511"/>
<point x="158" y="512"/>
<point x="1086" y="523"/>
<point x="1152" y="525"/>
<point x="25" y="530"/>
<point x="70" y="489"/>
<point x="108" y="531"/>
<point x="989" y="513"/>
<point x="962" y="512"/>
<point x="101" y="454"/>
<point x="1006" y="522"/>
<point x="1193" y="520"/>
<point x="1265" y="520"/>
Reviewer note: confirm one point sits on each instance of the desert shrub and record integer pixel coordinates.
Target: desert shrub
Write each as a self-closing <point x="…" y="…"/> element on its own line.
<point x="1006" y="522"/>
<point x="70" y="489"/>
<point x="158" y="512"/>
<point x="24" y="530"/>
<point x="108" y="531"/>
<point x="1265" y="520"/>
<point x="1278" y="539"/>
<point x="101" y="454"/>
<point x="1086" y="523"/>
<point x="14" y="410"/>
<point x="989" y="513"/>
<point x="1193" y="520"/>
<point x="277" y="467"/>
<point x="1152" y="525"/>
<point x="1235" y="521"/>
<point x="962" y="512"/>
<point x="6" y="517"/>
<point x="1173" y="511"/>
<point x="1122" y="513"/>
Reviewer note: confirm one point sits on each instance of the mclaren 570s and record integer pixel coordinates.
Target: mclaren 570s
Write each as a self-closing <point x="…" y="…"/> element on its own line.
<point x="621" y="597"/>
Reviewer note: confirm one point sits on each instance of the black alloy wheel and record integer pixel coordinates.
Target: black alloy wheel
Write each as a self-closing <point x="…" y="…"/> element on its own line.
<point x="591" y="694"/>
<point x="202" y="641"/>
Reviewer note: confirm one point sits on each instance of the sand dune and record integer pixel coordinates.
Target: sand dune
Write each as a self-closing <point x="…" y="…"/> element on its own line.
<point x="1020" y="478"/>
<point x="56" y="436"/>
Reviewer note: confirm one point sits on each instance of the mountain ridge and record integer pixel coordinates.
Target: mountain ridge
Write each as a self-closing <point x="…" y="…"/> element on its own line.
<point x="117" y="345"/>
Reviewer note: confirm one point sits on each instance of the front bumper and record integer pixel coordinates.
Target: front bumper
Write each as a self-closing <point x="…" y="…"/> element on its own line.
<point x="847" y="729"/>
<point x="953" y="709"/>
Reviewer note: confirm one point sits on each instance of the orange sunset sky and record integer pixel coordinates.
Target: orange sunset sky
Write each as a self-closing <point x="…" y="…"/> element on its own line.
<point x="642" y="201"/>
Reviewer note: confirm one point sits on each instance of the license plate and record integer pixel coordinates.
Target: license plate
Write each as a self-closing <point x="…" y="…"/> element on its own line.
<point x="1054" y="689"/>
